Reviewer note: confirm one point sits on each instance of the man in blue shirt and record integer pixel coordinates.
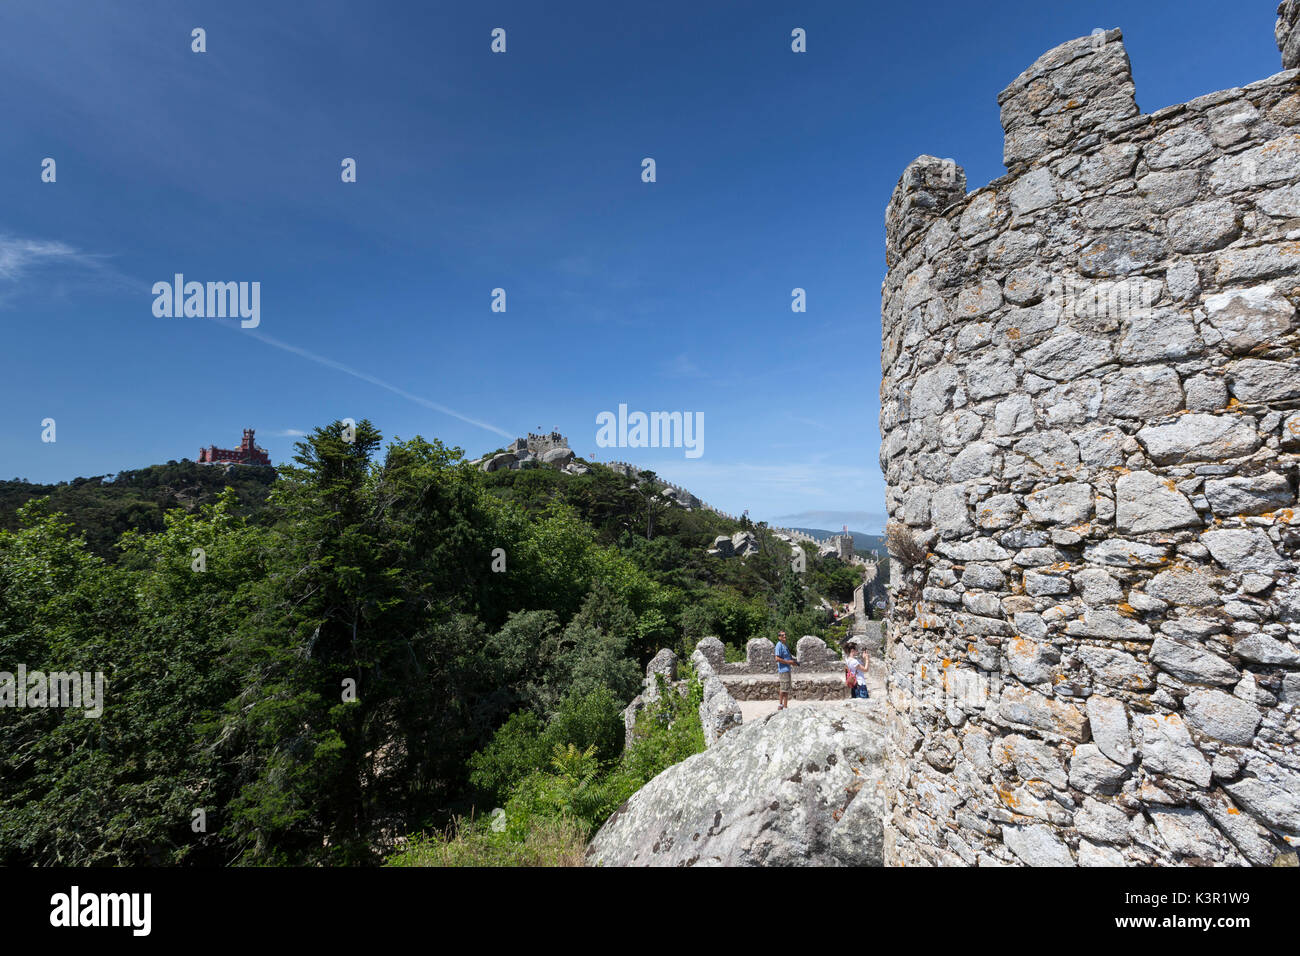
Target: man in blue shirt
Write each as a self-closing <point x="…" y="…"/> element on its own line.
<point x="785" y="686"/>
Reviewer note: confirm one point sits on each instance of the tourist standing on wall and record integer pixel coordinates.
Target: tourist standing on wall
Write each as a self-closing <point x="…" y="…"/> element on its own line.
<point x="784" y="679"/>
<point x="858" y="668"/>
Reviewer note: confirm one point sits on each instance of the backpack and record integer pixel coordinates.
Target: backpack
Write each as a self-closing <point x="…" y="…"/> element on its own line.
<point x="850" y="678"/>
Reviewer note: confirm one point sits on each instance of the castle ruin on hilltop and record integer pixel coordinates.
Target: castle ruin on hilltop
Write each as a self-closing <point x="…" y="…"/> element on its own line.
<point x="532" y="452"/>
<point x="538" y="445"/>
<point x="1090" y="420"/>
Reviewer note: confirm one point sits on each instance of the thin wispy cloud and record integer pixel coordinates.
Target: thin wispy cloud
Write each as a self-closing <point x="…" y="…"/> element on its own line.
<point x="18" y="257"/>
<point x="682" y="366"/>
<point x="23" y="259"/>
<point x="373" y="380"/>
<point x="810" y="422"/>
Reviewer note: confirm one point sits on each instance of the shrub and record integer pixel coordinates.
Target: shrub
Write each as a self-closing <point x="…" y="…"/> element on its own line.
<point x="729" y="617"/>
<point x="593" y="720"/>
<point x="569" y="790"/>
<point x="904" y="546"/>
<point x="516" y="749"/>
<point x="576" y="785"/>
<point x="811" y="621"/>
<point x="666" y="733"/>
<point x="523" y="745"/>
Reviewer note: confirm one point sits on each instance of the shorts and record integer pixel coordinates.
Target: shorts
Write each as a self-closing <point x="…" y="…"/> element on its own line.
<point x="785" y="682"/>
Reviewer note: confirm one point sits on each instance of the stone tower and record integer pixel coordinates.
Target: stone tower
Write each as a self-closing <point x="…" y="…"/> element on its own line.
<point x="1090" y="420"/>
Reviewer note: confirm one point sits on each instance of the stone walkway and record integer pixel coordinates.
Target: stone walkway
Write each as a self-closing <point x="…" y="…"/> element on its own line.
<point x="751" y="710"/>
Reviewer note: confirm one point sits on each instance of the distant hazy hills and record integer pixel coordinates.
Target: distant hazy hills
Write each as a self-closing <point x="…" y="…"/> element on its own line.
<point x="861" y="540"/>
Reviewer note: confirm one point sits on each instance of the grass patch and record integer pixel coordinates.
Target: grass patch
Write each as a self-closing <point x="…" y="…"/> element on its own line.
<point x="549" y="842"/>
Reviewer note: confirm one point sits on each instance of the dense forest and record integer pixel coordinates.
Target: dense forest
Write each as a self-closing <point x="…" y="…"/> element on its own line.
<point x="358" y="656"/>
<point x="102" y="507"/>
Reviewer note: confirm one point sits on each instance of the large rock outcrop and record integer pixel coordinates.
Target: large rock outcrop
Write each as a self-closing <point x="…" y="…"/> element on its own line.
<point x="802" y="787"/>
<point x="739" y="545"/>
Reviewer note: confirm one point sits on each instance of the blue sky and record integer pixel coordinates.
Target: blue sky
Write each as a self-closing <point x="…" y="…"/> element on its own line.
<point x="520" y="171"/>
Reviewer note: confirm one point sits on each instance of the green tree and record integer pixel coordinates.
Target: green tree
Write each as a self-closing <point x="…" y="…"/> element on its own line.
<point x="124" y="788"/>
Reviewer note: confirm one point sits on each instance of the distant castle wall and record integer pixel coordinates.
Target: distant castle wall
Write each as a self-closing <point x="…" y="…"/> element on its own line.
<point x="1089" y="420"/>
<point x="843" y="544"/>
<point x="631" y="470"/>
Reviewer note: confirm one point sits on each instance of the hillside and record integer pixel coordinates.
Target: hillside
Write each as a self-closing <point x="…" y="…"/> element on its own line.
<point x="102" y="507"/>
<point x="485" y="632"/>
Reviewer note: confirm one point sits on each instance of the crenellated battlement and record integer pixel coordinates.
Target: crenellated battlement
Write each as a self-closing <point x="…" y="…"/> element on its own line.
<point x="1090" y="423"/>
<point x="1070" y="92"/>
<point x="538" y="444"/>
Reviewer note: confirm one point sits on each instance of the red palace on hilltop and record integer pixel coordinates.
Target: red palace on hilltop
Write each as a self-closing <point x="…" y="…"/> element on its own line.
<point x="246" y="454"/>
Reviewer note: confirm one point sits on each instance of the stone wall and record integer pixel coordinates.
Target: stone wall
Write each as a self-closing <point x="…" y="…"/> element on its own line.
<point x="633" y="471"/>
<point x="719" y="711"/>
<point x="819" y="676"/>
<point x="539" y="445"/>
<point x="1287" y="34"/>
<point x="1089" y="422"/>
<point x="816" y="685"/>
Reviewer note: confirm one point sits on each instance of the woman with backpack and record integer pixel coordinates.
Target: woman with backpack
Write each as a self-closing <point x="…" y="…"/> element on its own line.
<point x="855" y="672"/>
